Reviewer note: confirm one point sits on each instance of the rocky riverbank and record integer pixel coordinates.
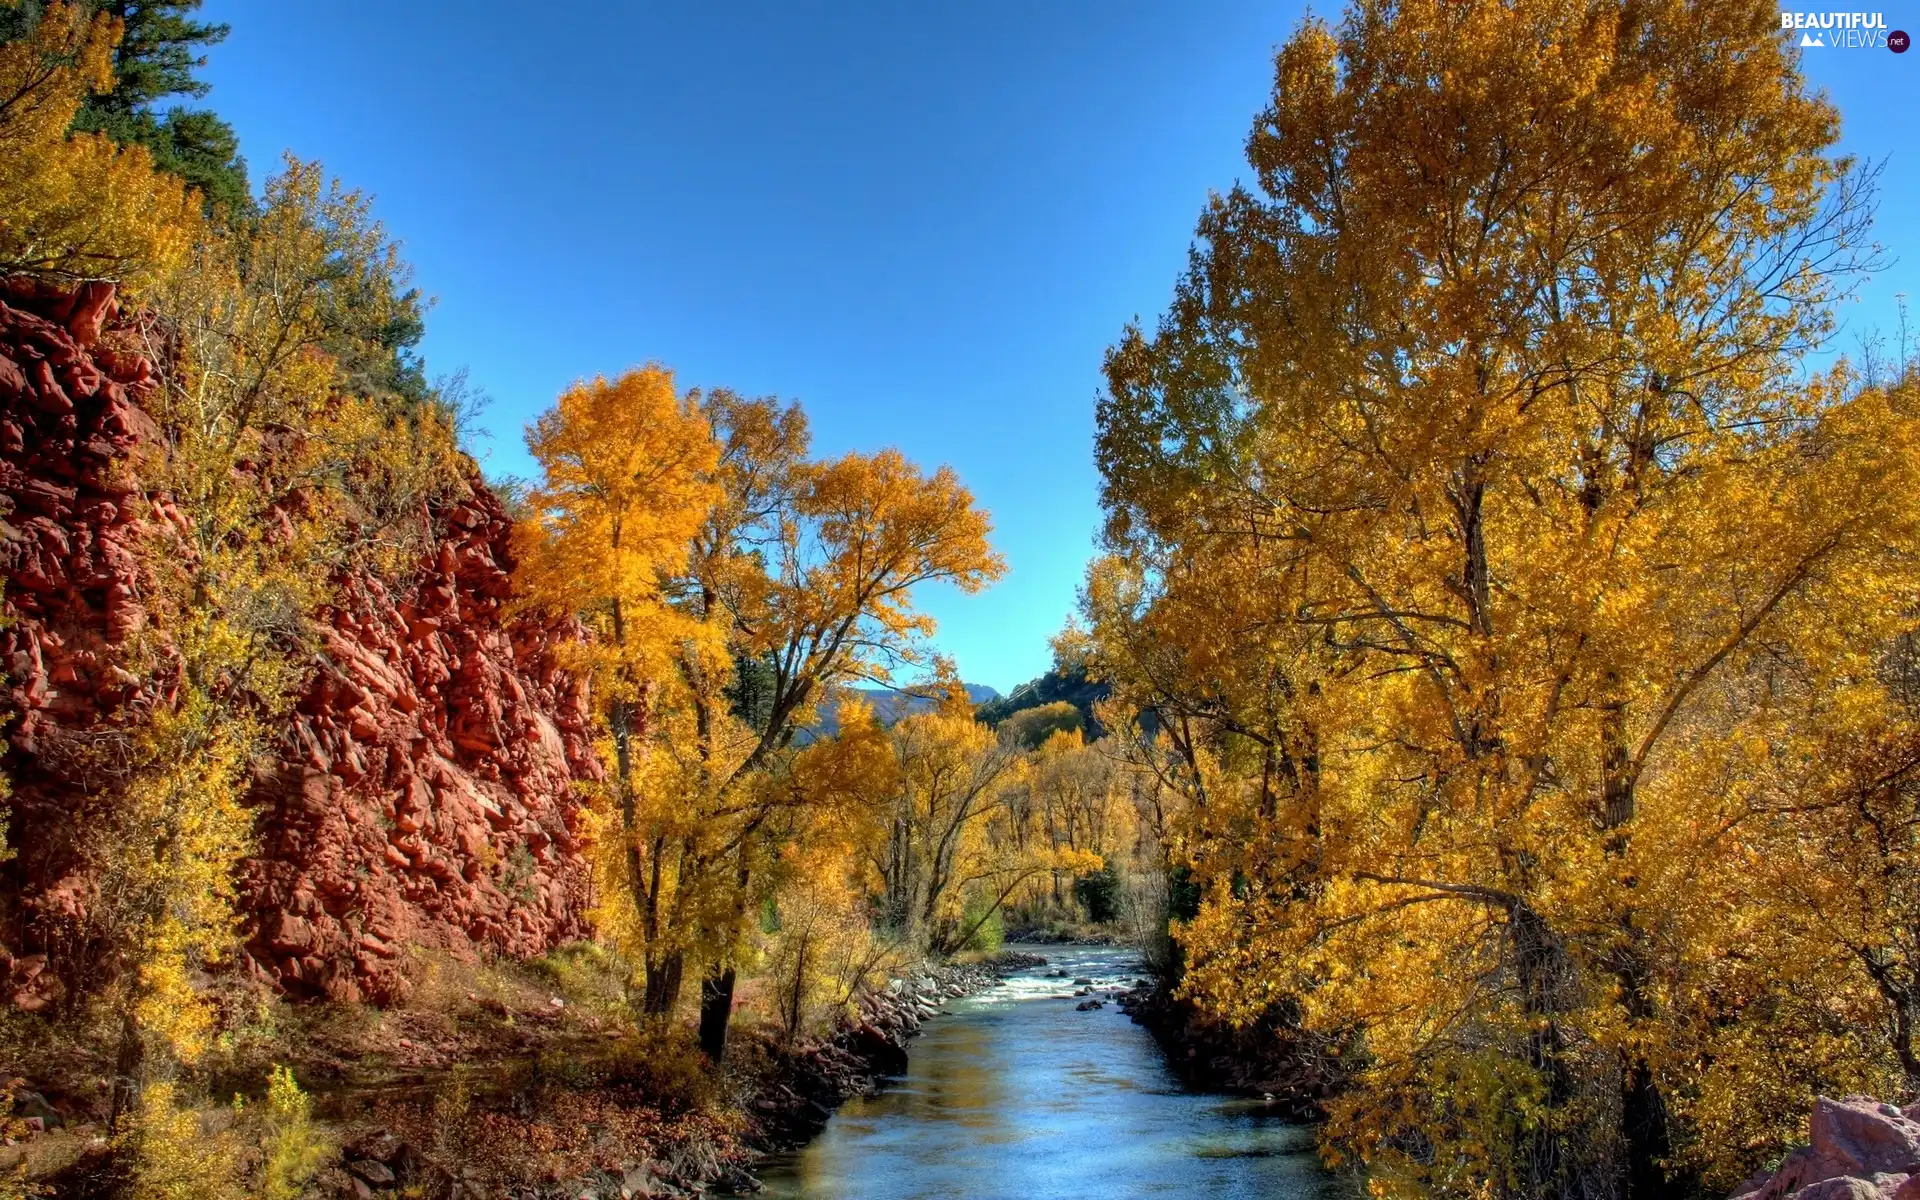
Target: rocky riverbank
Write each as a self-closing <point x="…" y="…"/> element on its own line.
<point x="1033" y="936"/>
<point x="1272" y="1058"/>
<point x="811" y="1081"/>
<point x="632" y="1118"/>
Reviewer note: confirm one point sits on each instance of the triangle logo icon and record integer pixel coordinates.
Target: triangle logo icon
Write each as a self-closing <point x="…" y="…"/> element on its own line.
<point x="1808" y="39"/>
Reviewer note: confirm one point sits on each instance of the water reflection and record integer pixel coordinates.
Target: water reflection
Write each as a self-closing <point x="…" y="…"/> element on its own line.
<point x="1017" y="1095"/>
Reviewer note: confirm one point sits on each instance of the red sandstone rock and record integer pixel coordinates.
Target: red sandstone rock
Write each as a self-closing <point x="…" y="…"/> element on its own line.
<point x="1860" y="1149"/>
<point x="421" y="794"/>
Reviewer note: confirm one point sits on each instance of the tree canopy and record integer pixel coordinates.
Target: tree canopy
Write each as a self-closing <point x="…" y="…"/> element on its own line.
<point x="1475" y="524"/>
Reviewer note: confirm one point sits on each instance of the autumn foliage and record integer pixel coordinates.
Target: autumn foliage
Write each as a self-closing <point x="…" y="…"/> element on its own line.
<point x="79" y="206"/>
<point x="1508" y="612"/>
<point x="1519" y="615"/>
<point x="274" y="453"/>
<point x="734" y="584"/>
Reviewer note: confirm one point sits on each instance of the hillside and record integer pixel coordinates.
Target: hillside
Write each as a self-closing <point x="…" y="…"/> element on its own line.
<point x="421" y="791"/>
<point x="1070" y="686"/>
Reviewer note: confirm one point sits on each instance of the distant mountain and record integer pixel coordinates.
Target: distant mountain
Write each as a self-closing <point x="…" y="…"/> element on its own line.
<point x="889" y="706"/>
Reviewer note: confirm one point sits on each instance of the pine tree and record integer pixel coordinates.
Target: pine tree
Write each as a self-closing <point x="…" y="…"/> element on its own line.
<point x="155" y="61"/>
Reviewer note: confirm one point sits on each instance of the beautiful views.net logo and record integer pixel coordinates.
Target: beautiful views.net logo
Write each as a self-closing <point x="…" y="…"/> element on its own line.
<point x="1844" y="30"/>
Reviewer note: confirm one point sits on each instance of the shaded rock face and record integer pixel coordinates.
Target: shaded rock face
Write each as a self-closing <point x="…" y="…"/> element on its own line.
<point x="420" y="795"/>
<point x="1858" y="1149"/>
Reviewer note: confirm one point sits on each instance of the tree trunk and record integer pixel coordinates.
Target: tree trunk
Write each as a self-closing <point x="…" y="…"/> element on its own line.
<point x="663" y="984"/>
<point x="1616" y="779"/>
<point x="795" y="1009"/>
<point x="1903" y="1004"/>
<point x="1643" y="1121"/>
<point x="1551" y="1152"/>
<point x="716" y="1010"/>
<point x="126" y="1071"/>
<point x="1644" y="1124"/>
<point x="1476" y="578"/>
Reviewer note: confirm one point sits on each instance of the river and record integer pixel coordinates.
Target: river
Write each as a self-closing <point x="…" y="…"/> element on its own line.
<point x="1014" y="1094"/>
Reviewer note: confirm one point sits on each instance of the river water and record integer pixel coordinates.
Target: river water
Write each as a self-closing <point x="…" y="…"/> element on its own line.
<point x="1015" y="1095"/>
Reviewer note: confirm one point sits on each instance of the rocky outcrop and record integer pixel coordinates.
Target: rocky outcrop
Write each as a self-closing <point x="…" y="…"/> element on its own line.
<point x="1859" y="1149"/>
<point x="424" y="792"/>
<point x="421" y="795"/>
<point x="73" y="520"/>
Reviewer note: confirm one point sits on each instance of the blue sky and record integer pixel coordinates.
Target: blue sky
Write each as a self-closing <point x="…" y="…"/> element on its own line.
<point x="924" y="222"/>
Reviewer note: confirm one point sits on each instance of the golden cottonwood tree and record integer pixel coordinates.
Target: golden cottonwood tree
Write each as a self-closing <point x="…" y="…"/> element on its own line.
<point x="627" y="471"/>
<point x="1468" y="509"/>
<point x="811" y="575"/>
<point x="824" y="951"/>
<point x="936" y="854"/>
<point x="1074" y="802"/>
<point x="784" y="578"/>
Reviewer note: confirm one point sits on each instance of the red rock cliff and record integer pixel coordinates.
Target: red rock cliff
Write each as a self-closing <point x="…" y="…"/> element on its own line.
<point x="421" y="794"/>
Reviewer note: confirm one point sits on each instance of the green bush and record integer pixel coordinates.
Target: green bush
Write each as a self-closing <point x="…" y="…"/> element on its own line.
<point x="1099" y="894"/>
<point x="991" y="932"/>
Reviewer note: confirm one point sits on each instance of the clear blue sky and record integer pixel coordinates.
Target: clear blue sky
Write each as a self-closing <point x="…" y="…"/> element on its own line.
<point x="925" y="222"/>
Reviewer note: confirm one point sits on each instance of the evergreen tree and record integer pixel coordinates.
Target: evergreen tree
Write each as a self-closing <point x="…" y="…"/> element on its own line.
<point x="155" y="61"/>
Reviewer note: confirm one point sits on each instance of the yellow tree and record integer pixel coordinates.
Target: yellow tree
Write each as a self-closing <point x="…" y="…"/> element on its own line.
<point x="1033" y="726"/>
<point x="824" y="950"/>
<point x="711" y="729"/>
<point x="79" y="207"/>
<point x="1071" y="785"/>
<point x="1469" y="470"/>
<point x="750" y="582"/>
<point x="627" y="470"/>
<point x="936" y="852"/>
<point x="814" y="585"/>
<point x="1792" y="887"/>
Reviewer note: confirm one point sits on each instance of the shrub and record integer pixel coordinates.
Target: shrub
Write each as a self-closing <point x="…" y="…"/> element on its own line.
<point x="665" y="1067"/>
<point x="174" y="1156"/>
<point x="294" y="1148"/>
<point x="990" y="932"/>
<point x="1099" y="893"/>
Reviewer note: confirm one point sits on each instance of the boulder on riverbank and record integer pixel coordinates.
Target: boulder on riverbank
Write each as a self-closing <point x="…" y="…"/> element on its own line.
<point x="1859" y="1149"/>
